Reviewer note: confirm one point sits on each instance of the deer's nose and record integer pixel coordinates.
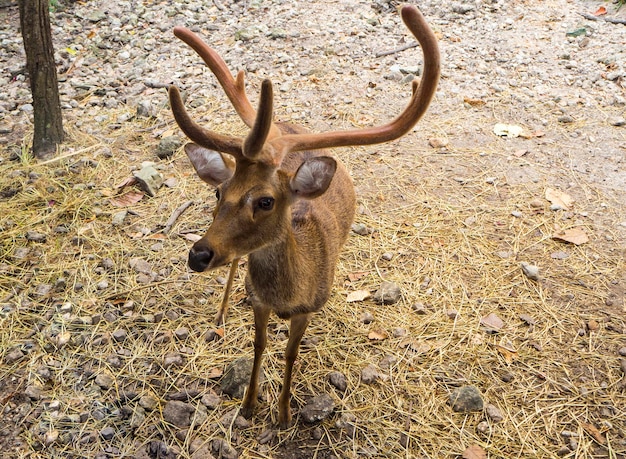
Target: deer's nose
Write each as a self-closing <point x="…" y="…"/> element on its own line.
<point x="199" y="258"/>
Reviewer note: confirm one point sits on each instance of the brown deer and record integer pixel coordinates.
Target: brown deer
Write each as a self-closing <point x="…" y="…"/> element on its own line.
<point x="281" y="201"/>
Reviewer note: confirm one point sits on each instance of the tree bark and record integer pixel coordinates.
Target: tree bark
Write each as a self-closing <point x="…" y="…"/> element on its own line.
<point x="48" y="122"/>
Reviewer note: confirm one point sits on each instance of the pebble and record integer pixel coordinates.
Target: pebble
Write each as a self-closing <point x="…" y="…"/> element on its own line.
<point x="494" y="413"/>
<point x="466" y="399"/>
<point x="338" y="380"/>
<point x="369" y="374"/>
<point x="178" y="413"/>
<point x="530" y="271"/>
<point x="236" y="377"/>
<point x="387" y="293"/>
<point x="317" y="408"/>
<point x="173" y="359"/>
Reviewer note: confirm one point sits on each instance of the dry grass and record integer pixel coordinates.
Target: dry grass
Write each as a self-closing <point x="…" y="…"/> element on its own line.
<point x="562" y="377"/>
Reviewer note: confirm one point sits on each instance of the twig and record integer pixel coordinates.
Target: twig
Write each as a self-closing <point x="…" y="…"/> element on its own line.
<point x="591" y="17"/>
<point x="397" y="50"/>
<point x="177" y="213"/>
<point x="69" y="155"/>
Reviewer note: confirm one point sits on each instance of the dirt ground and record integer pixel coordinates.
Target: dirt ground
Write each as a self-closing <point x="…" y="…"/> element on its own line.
<point x="450" y="212"/>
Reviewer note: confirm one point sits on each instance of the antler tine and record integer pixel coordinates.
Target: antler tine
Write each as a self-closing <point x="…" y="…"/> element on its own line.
<point x="203" y="137"/>
<point x="416" y="108"/>
<point x="255" y="140"/>
<point x="233" y="87"/>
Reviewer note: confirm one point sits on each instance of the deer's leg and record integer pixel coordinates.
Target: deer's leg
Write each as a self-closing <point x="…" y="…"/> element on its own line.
<point x="296" y="331"/>
<point x="261" y="317"/>
<point x="220" y="317"/>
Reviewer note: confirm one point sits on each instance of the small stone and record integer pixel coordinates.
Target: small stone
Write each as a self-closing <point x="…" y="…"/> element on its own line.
<point x="35" y="236"/>
<point x="622" y="351"/>
<point x="107" y="433"/>
<point x="369" y="374"/>
<point x="338" y="380"/>
<point x="140" y="265"/>
<point x="517" y="214"/>
<point x="222" y="449"/>
<point x="563" y="451"/>
<point x="34" y="392"/>
<point x="150" y="180"/>
<point x="463" y="8"/>
<point x="211" y="401"/>
<point x="173" y="359"/>
<point x="367" y="317"/>
<point x="593" y="325"/>
<point x="318" y="408"/>
<point x="387" y="256"/>
<point x="105" y="380"/>
<point x="618" y="121"/>
<point x="168" y="146"/>
<point x="361" y="229"/>
<point x="13" y="356"/>
<point x="236" y="377"/>
<point x="399" y="332"/>
<point x="182" y="333"/>
<point x="387" y="362"/>
<point x="565" y="119"/>
<point x="388" y="293"/>
<point x="144" y="109"/>
<point x="452" y="314"/>
<point x="178" y="413"/>
<point x="438" y="142"/>
<point x="527" y="319"/>
<point x="466" y="399"/>
<point x="530" y="271"/>
<point x="50" y="437"/>
<point x="494" y="413"/>
<point x="536" y="203"/>
<point x="119" y="335"/>
<point x="419" y="308"/>
<point x="483" y="427"/>
<point x="102" y="285"/>
<point x="149" y="402"/>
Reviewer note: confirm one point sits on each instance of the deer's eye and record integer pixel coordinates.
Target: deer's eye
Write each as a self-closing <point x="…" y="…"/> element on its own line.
<point x="265" y="203"/>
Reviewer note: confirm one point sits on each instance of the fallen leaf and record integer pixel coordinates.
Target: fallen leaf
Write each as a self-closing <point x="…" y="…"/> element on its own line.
<point x="128" y="181"/>
<point x="158" y="236"/>
<point x="575" y="236"/>
<point x="507" y="130"/>
<point x="519" y="153"/>
<point x="473" y="102"/>
<point x="419" y="347"/>
<point x="474" y="452"/>
<point x="559" y="198"/>
<point x="508" y="355"/>
<point x="600" y="11"/>
<point x="377" y="335"/>
<point x="594" y="432"/>
<point x="492" y="322"/>
<point x="126" y="200"/>
<point x="357" y="275"/>
<point x="192" y="237"/>
<point x="358" y="295"/>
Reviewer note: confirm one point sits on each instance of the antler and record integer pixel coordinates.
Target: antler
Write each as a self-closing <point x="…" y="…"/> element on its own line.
<point x="418" y="104"/>
<point x="266" y="137"/>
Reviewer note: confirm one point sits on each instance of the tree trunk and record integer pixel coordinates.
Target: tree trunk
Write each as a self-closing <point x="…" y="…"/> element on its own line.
<point x="35" y="25"/>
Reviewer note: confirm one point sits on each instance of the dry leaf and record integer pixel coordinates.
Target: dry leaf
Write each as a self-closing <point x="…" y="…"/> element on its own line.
<point x="575" y="236"/>
<point x="358" y="295"/>
<point x="492" y="322"/>
<point x="158" y="236"/>
<point x="507" y="130"/>
<point x="378" y="335"/>
<point x="474" y="452"/>
<point x="519" y="153"/>
<point x="600" y="11"/>
<point x="438" y="142"/>
<point x="128" y="199"/>
<point x="559" y="198"/>
<point x="192" y="237"/>
<point x="508" y="355"/>
<point x="128" y="181"/>
<point x="473" y="102"/>
<point x="594" y="432"/>
<point x="419" y="347"/>
<point x="357" y="275"/>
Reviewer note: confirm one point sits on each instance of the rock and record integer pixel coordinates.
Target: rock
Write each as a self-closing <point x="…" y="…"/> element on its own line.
<point x="618" y="121"/>
<point x="494" y="413"/>
<point x="144" y="109"/>
<point x="530" y="271"/>
<point x="179" y="414"/>
<point x="35" y="236"/>
<point x="317" y="408"/>
<point x="419" y="309"/>
<point x="107" y="433"/>
<point x="149" y="402"/>
<point x="463" y="8"/>
<point x="388" y="293"/>
<point x="466" y="399"/>
<point x="387" y="362"/>
<point x="622" y="351"/>
<point x="222" y="449"/>
<point x="173" y="359"/>
<point x="118" y="218"/>
<point x="34" y="392"/>
<point x="236" y="377"/>
<point x="13" y="356"/>
<point x="104" y="380"/>
<point x="369" y="374"/>
<point x="119" y="335"/>
<point x="200" y="449"/>
<point x="168" y="146"/>
<point x="150" y="180"/>
<point x="367" y="317"/>
<point x="338" y="380"/>
<point x="211" y="401"/>
<point x="361" y="229"/>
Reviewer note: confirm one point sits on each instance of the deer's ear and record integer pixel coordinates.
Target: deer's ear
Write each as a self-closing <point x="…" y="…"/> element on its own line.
<point x="313" y="177"/>
<point x="211" y="166"/>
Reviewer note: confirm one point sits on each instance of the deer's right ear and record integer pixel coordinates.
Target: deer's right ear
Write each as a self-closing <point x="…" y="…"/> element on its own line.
<point x="211" y="166"/>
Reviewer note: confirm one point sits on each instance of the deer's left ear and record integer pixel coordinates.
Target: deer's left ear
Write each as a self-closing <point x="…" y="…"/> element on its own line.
<point x="211" y="166"/>
<point x="313" y="177"/>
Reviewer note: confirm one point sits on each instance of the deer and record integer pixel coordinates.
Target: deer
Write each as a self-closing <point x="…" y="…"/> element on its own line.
<point x="282" y="201"/>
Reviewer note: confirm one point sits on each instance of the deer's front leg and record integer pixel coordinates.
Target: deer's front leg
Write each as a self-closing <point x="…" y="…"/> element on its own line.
<point x="296" y="331"/>
<point x="261" y="317"/>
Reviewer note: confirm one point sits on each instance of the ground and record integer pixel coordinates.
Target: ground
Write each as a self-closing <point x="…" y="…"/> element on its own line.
<point x="102" y="323"/>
